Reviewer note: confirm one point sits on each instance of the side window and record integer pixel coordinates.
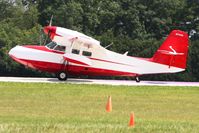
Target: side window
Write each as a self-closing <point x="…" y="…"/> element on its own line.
<point x="86" y="53"/>
<point x="75" y="51"/>
<point x="60" y="48"/>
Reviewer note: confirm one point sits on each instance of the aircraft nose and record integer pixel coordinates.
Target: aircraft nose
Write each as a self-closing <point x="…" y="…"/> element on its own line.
<point x="16" y="52"/>
<point x="12" y="52"/>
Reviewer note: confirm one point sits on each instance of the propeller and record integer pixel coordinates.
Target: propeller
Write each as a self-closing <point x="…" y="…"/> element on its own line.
<point x="48" y="35"/>
<point x="51" y="19"/>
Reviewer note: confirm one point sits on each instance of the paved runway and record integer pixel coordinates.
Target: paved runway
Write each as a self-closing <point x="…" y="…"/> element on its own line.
<point x="97" y="81"/>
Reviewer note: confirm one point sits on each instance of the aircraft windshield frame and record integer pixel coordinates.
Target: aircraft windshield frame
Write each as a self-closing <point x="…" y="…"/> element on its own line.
<point x="51" y="45"/>
<point x="54" y="46"/>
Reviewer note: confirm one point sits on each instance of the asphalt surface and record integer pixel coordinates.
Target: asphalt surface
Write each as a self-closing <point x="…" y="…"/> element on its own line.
<point x="97" y="81"/>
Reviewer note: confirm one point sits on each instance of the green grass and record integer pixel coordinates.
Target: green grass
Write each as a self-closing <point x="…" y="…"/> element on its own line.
<point x="51" y="108"/>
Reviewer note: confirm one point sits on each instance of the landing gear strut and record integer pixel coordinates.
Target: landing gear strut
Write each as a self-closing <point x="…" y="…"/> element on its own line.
<point x="137" y="79"/>
<point x="62" y="76"/>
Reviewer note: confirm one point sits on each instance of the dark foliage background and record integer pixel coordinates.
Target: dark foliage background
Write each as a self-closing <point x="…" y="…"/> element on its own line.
<point x="137" y="26"/>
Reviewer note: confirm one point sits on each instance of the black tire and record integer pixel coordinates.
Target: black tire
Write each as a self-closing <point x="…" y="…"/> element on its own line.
<point x="137" y="79"/>
<point x="62" y="76"/>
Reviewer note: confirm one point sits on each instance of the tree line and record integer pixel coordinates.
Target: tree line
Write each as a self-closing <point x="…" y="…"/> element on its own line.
<point x="137" y="26"/>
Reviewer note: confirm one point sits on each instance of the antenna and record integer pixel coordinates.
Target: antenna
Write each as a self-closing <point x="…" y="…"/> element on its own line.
<point x="49" y="34"/>
<point x="109" y="45"/>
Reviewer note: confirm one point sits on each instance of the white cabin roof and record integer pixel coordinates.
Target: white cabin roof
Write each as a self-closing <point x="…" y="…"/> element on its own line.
<point x="71" y="34"/>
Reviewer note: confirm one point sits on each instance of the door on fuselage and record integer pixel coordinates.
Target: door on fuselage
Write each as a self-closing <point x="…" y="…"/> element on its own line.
<point x="60" y="51"/>
<point x="80" y="53"/>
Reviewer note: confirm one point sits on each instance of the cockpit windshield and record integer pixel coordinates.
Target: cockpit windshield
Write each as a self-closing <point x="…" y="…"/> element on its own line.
<point x="55" y="46"/>
<point x="51" y="45"/>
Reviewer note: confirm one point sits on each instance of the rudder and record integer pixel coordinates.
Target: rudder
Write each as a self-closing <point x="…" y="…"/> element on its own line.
<point x="173" y="51"/>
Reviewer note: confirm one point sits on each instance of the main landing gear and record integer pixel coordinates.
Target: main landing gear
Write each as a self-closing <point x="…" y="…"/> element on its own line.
<point x="137" y="79"/>
<point x="62" y="76"/>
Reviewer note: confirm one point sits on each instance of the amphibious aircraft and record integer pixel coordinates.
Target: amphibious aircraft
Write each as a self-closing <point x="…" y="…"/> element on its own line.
<point x="74" y="53"/>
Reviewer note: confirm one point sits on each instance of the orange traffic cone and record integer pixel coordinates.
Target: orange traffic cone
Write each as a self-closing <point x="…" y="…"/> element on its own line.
<point x="109" y="105"/>
<point x="132" y="122"/>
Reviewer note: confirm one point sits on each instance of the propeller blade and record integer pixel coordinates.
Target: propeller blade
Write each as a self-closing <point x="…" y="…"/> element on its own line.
<point x="51" y="19"/>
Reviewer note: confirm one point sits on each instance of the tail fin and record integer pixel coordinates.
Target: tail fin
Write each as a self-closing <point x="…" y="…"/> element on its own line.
<point x="173" y="51"/>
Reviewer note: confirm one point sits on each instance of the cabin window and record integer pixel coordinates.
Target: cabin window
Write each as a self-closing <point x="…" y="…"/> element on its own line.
<point x="51" y="45"/>
<point x="75" y="51"/>
<point x="60" y="48"/>
<point x="86" y="53"/>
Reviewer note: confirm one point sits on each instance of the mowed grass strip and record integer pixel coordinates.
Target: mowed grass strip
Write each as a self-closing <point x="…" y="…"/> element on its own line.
<point x="43" y="107"/>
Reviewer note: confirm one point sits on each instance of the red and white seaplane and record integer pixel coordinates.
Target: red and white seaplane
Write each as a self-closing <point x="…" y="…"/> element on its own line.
<point x="73" y="53"/>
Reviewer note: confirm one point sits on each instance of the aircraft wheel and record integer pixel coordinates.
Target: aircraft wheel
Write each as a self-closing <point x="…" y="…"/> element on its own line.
<point x="62" y="76"/>
<point x="137" y="79"/>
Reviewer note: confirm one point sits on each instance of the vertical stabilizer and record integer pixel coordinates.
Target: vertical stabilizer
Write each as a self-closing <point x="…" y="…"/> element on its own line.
<point x="173" y="51"/>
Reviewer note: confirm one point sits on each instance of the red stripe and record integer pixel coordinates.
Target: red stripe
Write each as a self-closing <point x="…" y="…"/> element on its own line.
<point x="43" y="48"/>
<point x="79" y="70"/>
<point x="75" y="61"/>
<point x="111" y="62"/>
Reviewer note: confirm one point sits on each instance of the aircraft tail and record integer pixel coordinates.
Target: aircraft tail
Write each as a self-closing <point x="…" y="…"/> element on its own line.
<point x="173" y="52"/>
